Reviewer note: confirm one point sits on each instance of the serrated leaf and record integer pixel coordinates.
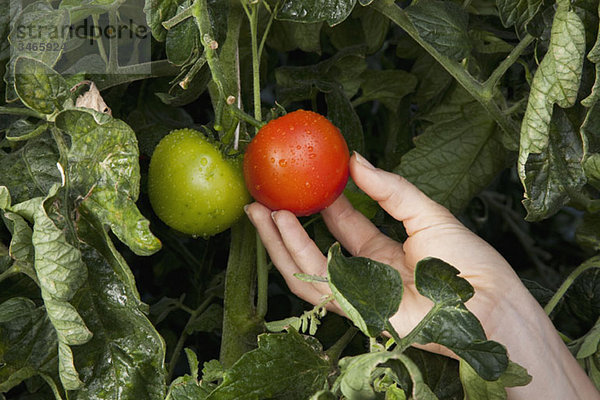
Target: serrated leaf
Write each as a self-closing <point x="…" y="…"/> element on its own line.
<point x="283" y="324"/>
<point x="40" y="87"/>
<point x="284" y="366"/>
<point x="310" y="11"/>
<point x="457" y="156"/>
<point x="478" y="388"/>
<point x="5" y="200"/>
<point x="212" y="371"/>
<point x="444" y="25"/>
<point x="368" y="291"/>
<point x="589" y="342"/>
<point x="451" y="324"/>
<point x="553" y="173"/>
<point x="594" y="56"/>
<point x="518" y="12"/>
<point x="104" y="168"/>
<point x="556" y="81"/>
<point x="192" y="362"/>
<point x="388" y="86"/>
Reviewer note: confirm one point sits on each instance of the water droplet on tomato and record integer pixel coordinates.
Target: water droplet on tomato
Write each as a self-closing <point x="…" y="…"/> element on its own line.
<point x="257" y="187"/>
<point x="282" y="162"/>
<point x="272" y="160"/>
<point x="312" y="155"/>
<point x="203" y="161"/>
<point x="310" y="148"/>
<point x="298" y="147"/>
<point x="307" y="184"/>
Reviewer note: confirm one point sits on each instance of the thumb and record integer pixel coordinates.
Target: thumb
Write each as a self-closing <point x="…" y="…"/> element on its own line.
<point x="400" y="198"/>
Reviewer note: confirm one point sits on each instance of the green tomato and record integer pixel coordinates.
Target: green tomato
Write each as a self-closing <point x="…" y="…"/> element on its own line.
<point x="193" y="187"/>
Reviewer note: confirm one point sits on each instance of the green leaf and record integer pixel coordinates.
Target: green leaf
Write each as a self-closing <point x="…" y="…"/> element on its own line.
<point x="556" y="171"/>
<point x="210" y="320"/>
<point x="310" y="11"/>
<point x="420" y="390"/>
<point x="594" y="56"/>
<point x="556" y="81"/>
<point x="187" y="388"/>
<point x="31" y="170"/>
<point x="456" y="157"/>
<point x="183" y="40"/>
<point x="341" y="113"/>
<point x="61" y="273"/>
<point x="40" y="87"/>
<point x="356" y="374"/>
<point x="442" y="24"/>
<point x="126" y="356"/>
<point x="323" y="395"/>
<point x="28" y="342"/>
<point x="5" y="200"/>
<point x="388" y="87"/>
<point x="284" y="366"/>
<point x="303" y="83"/>
<point x="438" y="372"/>
<point x="518" y="12"/>
<point x="157" y="12"/>
<point x="588" y="232"/>
<point x="434" y="81"/>
<point x="450" y="323"/>
<point x="26" y="30"/>
<point x="589" y="343"/>
<point x="478" y="388"/>
<point x="368" y="291"/>
<point x="287" y="36"/>
<point x="212" y="371"/>
<point x="24" y="130"/>
<point x="104" y="168"/>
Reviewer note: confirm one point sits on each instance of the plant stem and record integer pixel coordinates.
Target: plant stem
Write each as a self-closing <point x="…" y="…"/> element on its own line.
<point x="182" y="16"/>
<point x="195" y="314"/>
<point x="240" y="323"/>
<point x="512" y="58"/>
<point x="253" y="19"/>
<point x="336" y="349"/>
<point x="262" y="279"/>
<point x="267" y="29"/>
<point x="245" y="117"/>
<point x="395" y="336"/>
<point x="458" y="72"/>
<point x="25" y="112"/>
<point x="593" y="262"/>
<point x="403" y="343"/>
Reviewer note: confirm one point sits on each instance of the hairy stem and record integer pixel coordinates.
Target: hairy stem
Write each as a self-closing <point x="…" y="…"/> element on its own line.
<point x="336" y="349"/>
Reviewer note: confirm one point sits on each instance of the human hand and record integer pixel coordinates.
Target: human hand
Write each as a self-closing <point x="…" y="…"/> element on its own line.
<point x="505" y="308"/>
<point x="432" y="231"/>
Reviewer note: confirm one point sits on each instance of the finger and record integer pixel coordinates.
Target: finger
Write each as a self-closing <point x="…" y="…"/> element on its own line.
<point x="354" y="231"/>
<point x="302" y="249"/>
<point x="400" y="198"/>
<point x="260" y="216"/>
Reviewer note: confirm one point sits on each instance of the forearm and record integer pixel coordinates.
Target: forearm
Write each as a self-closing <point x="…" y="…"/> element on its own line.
<point x="533" y="342"/>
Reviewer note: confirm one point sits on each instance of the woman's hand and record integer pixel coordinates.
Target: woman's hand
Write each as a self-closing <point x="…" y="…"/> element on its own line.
<point x="507" y="311"/>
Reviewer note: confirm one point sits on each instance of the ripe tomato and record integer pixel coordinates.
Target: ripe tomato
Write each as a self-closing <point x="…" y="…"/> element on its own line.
<point x="298" y="162"/>
<point x="193" y="187"/>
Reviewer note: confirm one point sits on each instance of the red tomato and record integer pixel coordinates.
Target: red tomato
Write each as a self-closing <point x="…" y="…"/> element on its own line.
<point x="298" y="162"/>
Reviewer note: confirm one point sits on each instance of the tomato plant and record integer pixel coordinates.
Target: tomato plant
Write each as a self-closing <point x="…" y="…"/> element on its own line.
<point x="193" y="187"/>
<point x="297" y="162"/>
<point x="491" y="107"/>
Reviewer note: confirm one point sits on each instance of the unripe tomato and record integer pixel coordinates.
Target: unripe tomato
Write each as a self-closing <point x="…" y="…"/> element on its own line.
<point x="298" y="162"/>
<point x="193" y="187"/>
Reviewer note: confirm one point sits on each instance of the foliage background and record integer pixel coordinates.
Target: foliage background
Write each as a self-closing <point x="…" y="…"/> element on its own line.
<point x="490" y="107"/>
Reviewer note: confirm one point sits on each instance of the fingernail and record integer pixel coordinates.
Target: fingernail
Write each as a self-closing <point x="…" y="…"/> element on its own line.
<point x="273" y="216"/>
<point x="246" y="208"/>
<point x="363" y="161"/>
